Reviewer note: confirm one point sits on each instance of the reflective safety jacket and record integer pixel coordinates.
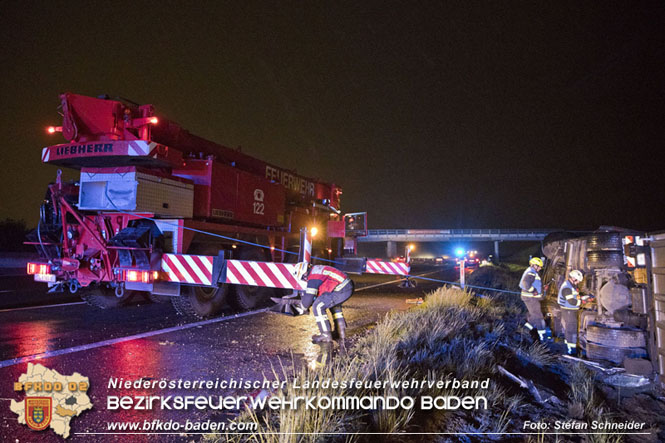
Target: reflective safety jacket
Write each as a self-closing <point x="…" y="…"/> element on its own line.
<point x="322" y="279"/>
<point x="530" y="284"/>
<point x="568" y="296"/>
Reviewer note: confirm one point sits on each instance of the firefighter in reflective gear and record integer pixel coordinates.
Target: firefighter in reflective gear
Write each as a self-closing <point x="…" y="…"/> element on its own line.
<point x="532" y="294"/>
<point x="570" y="302"/>
<point x="327" y="288"/>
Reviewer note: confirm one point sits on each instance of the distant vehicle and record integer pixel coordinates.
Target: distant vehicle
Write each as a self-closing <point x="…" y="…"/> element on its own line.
<point x="469" y="262"/>
<point x="472" y="262"/>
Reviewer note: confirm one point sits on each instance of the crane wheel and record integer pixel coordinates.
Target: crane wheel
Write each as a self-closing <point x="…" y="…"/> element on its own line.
<point x="251" y="297"/>
<point x="200" y="302"/>
<point x="156" y="298"/>
<point x="104" y="298"/>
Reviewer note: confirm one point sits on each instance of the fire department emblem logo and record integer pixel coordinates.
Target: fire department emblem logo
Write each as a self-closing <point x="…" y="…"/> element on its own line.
<point x="38" y="412"/>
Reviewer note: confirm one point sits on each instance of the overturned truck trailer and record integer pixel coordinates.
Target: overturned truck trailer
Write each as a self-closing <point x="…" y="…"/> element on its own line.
<point x="625" y="272"/>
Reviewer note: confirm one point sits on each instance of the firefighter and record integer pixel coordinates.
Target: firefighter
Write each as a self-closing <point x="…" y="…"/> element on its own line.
<point x="327" y="288"/>
<point x="532" y="294"/>
<point x="570" y="302"/>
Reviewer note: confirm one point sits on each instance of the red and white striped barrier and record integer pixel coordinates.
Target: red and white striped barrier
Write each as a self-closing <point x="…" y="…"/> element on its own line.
<point x="267" y="274"/>
<point x="387" y="267"/>
<point x="192" y="269"/>
<point x="305" y="254"/>
<point x="197" y="270"/>
<point x="308" y="248"/>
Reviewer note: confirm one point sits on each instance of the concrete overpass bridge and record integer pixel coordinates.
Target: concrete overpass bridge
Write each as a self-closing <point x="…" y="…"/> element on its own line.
<point x="392" y="236"/>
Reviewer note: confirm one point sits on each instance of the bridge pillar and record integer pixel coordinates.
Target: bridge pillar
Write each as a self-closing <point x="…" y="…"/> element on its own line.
<point x="496" y="250"/>
<point x="391" y="249"/>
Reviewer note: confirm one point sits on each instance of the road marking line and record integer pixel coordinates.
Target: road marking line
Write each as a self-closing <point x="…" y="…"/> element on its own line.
<point x="45" y="306"/>
<point x="49" y="354"/>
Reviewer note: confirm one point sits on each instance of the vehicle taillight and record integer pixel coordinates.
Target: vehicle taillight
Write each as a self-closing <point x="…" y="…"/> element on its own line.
<point x="137" y="276"/>
<point x="38" y="268"/>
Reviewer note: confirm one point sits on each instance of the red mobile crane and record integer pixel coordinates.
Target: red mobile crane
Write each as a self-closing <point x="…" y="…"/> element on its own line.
<point x="148" y="192"/>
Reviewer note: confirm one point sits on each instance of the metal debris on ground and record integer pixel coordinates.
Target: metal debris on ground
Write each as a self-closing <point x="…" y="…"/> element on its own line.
<point x="284" y="305"/>
<point x="594" y="365"/>
<point x="524" y="384"/>
<point x="627" y="381"/>
<point x="415" y="301"/>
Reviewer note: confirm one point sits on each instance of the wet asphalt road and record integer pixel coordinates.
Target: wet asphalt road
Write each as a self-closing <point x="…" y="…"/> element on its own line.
<point x="247" y="348"/>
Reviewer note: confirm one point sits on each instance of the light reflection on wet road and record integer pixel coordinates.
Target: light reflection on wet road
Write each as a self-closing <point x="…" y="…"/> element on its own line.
<point x="248" y="347"/>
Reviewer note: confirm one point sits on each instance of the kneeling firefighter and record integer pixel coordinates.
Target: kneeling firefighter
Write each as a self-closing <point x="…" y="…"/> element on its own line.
<point x="327" y="288"/>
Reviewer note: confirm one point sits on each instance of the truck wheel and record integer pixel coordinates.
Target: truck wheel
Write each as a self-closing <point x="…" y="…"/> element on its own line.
<point x="604" y="259"/>
<point x="199" y="301"/>
<point x="104" y="298"/>
<point x="596" y="352"/>
<point x="249" y="297"/>
<point x="616" y="337"/>
<point x="604" y="241"/>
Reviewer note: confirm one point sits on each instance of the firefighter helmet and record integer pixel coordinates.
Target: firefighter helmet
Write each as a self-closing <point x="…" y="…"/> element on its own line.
<point x="300" y="270"/>
<point x="576" y="275"/>
<point x="535" y="261"/>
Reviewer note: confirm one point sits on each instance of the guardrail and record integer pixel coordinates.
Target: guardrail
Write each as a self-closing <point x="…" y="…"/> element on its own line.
<point x="379" y="235"/>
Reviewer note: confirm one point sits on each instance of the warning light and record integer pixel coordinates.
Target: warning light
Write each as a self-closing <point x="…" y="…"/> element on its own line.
<point x="38" y="268"/>
<point x="459" y="252"/>
<point x="412" y="247"/>
<point x="137" y="276"/>
<point x="154" y="120"/>
<point x="132" y="276"/>
<point x="54" y="129"/>
<point x="314" y="230"/>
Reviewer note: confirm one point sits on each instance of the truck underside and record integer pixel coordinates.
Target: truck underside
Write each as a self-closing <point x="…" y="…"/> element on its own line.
<point x="616" y="324"/>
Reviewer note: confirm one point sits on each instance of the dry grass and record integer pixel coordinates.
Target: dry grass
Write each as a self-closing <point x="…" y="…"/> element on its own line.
<point x="585" y="405"/>
<point x="444" y="337"/>
<point x="538" y="354"/>
<point x="582" y="403"/>
<point x="451" y="335"/>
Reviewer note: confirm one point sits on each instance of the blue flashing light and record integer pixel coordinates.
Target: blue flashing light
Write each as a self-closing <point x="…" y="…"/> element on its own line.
<point x="459" y="252"/>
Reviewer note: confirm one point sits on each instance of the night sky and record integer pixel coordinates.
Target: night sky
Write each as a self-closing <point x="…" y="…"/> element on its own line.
<point x="428" y="114"/>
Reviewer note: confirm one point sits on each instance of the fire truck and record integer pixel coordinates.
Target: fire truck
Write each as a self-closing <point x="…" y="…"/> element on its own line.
<point x="165" y="213"/>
